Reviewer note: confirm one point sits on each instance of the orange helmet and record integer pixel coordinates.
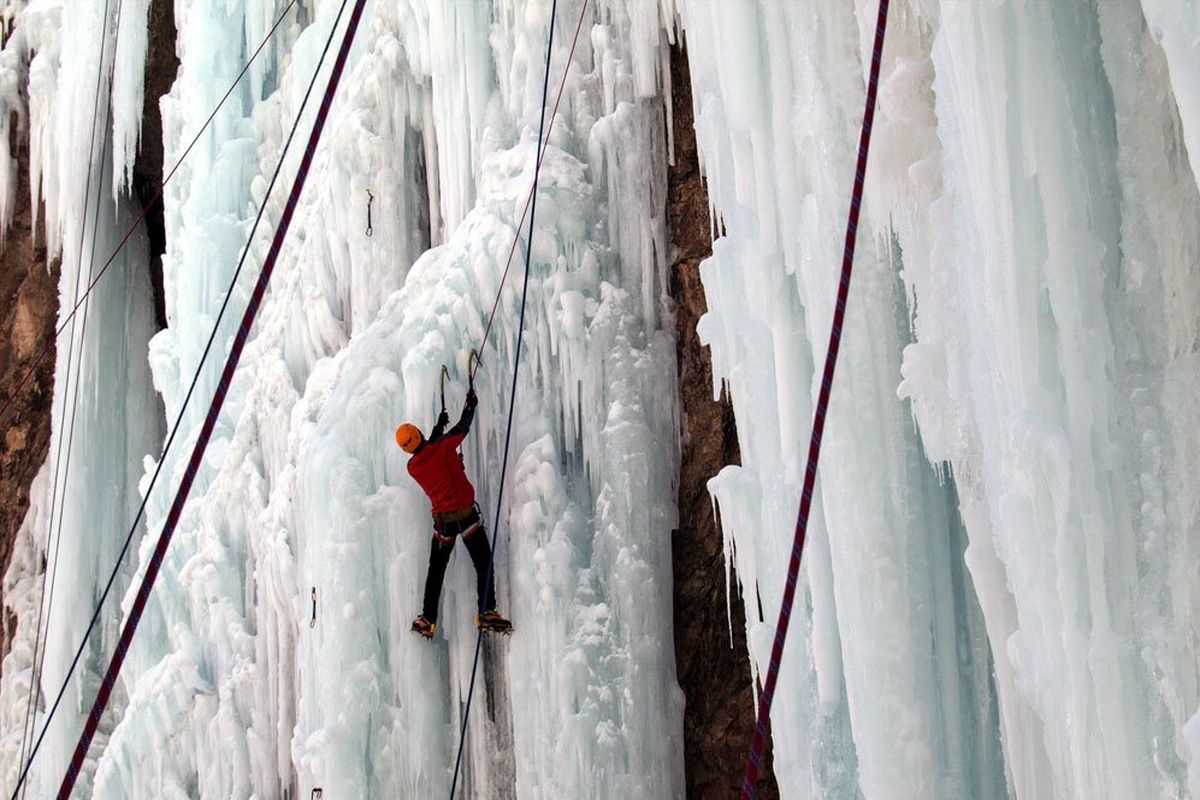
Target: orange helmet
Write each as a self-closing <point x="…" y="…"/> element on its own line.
<point x="409" y="437"/>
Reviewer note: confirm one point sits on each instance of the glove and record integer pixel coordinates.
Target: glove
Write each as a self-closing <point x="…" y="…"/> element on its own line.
<point x="443" y="419"/>
<point x="472" y="400"/>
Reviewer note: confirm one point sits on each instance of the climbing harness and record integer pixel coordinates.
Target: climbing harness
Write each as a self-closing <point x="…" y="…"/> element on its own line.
<point x="763" y="722"/>
<point x="312" y="623"/>
<point x="206" y="430"/>
<point x="133" y="227"/>
<point x="370" y="200"/>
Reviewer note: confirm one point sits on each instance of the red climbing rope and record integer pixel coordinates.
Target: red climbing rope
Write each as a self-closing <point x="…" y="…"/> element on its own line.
<point x="210" y="421"/>
<point x="814" y="449"/>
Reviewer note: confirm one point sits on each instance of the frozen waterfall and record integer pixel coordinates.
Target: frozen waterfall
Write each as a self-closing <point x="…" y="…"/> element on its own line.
<point x="999" y="597"/>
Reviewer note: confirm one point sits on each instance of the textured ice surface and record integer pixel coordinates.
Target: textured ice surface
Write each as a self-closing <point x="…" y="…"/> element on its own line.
<point x="227" y="690"/>
<point x="105" y="416"/>
<point x="1030" y="243"/>
<point x="999" y="593"/>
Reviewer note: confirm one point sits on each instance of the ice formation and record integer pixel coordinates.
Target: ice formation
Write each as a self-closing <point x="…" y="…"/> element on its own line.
<point x="1032" y="291"/>
<point x="999" y="597"/>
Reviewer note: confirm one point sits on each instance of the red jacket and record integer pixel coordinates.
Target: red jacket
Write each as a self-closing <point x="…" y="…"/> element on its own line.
<point x="437" y="467"/>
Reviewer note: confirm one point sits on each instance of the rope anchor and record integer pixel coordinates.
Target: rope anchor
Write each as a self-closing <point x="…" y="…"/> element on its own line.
<point x="370" y="201"/>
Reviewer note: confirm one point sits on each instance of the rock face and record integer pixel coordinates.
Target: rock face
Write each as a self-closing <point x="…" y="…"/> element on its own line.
<point x="713" y="673"/>
<point x="29" y="296"/>
<point x="28" y="314"/>
<point x="162" y="65"/>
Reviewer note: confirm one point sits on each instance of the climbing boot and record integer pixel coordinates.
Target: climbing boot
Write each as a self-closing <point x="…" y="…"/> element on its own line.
<point x="424" y="627"/>
<point x="492" y="622"/>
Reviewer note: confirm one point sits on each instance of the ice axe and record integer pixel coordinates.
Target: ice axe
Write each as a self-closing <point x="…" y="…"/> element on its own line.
<point x="442" y="386"/>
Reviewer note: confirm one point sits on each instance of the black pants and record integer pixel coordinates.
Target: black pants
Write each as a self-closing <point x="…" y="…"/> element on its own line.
<point x="440" y="548"/>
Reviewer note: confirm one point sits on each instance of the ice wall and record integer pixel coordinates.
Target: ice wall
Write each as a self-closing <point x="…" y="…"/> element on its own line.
<point x="998" y="595"/>
<point x="1029" y="244"/>
<point x="105" y="414"/>
<point x="228" y="690"/>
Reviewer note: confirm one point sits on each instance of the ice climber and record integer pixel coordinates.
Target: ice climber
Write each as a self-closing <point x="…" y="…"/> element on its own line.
<point x="437" y="467"/>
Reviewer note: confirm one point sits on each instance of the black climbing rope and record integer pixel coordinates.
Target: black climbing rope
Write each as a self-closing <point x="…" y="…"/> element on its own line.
<point x="512" y="400"/>
<point x="67" y="431"/>
<point x="175" y="428"/>
<point x="141" y="598"/>
<point x="133" y="227"/>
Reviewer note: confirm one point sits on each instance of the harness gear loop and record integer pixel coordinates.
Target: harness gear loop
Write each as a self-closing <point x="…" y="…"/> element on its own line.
<point x="443" y="540"/>
<point x="370" y="200"/>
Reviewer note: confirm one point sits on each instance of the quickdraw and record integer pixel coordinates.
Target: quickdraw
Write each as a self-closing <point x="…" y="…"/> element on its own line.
<point x="370" y="200"/>
<point x="312" y="623"/>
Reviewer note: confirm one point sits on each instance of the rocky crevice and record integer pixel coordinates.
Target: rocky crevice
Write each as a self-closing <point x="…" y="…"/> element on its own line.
<point x="29" y="295"/>
<point x="713" y="673"/>
<point x="28" y="315"/>
<point x="162" y="65"/>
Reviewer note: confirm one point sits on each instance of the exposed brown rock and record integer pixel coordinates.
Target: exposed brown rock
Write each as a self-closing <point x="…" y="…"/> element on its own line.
<point x="162" y="65"/>
<point x="29" y="298"/>
<point x="714" y="676"/>
<point x="28" y="313"/>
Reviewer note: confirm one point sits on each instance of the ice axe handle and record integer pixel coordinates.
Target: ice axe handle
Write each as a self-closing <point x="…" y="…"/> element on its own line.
<point x="442" y="387"/>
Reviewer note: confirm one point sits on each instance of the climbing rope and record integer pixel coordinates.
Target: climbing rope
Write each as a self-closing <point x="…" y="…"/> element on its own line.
<point x="210" y="420"/>
<point x="127" y="631"/>
<point x="45" y="349"/>
<point x="542" y="148"/>
<point x="512" y="400"/>
<point x="214" y="410"/>
<point x="67" y="431"/>
<point x="763" y="722"/>
<point x="475" y="357"/>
